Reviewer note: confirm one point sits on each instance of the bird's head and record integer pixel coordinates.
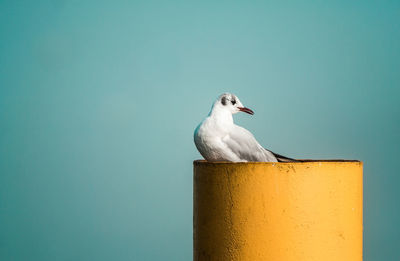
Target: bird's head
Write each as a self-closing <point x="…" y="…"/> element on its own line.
<point x="230" y="102"/>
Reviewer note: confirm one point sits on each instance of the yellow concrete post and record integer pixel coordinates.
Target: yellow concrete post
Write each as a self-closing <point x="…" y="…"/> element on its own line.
<point x="278" y="211"/>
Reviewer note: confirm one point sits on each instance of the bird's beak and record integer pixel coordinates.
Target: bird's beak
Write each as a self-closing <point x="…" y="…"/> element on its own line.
<point x="246" y="110"/>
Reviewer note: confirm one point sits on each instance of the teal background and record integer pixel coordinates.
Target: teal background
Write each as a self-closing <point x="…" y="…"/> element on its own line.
<point x="99" y="100"/>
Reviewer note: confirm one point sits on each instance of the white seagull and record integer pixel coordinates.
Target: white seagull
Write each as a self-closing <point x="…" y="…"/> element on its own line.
<point x="219" y="139"/>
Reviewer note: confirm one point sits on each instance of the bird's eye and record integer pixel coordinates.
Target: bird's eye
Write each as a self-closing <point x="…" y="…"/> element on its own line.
<point x="233" y="102"/>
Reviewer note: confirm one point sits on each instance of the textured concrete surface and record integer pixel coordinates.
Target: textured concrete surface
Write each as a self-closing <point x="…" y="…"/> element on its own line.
<point x="278" y="211"/>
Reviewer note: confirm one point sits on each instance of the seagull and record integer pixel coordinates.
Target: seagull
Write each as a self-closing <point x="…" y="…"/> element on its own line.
<point x="218" y="138"/>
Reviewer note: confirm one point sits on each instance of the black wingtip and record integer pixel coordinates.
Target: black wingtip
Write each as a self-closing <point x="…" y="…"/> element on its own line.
<point x="281" y="158"/>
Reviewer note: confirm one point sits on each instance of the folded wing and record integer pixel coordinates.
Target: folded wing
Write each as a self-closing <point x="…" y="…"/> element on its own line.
<point x="241" y="142"/>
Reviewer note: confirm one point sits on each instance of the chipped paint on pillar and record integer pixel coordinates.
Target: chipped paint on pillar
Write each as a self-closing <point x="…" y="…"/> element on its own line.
<point x="278" y="211"/>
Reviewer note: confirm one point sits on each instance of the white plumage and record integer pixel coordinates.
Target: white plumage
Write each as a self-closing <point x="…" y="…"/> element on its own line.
<point x="218" y="138"/>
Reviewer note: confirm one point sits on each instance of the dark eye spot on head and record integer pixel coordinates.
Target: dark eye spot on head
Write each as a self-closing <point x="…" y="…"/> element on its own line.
<point x="233" y="102"/>
<point x="223" y="100"/>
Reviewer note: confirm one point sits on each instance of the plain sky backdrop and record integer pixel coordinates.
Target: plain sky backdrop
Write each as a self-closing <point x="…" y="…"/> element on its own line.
<point x="99" y="101"/>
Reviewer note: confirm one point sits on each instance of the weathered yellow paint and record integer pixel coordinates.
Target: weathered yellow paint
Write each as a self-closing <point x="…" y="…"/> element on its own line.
<point x="278" y="211"/>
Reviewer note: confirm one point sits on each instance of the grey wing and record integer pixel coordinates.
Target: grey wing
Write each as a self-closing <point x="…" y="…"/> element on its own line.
<point x="241" y="142"/>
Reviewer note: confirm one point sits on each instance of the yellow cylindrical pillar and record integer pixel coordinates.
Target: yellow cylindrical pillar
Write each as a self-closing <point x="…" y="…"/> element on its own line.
<point x="294" y="211"/>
